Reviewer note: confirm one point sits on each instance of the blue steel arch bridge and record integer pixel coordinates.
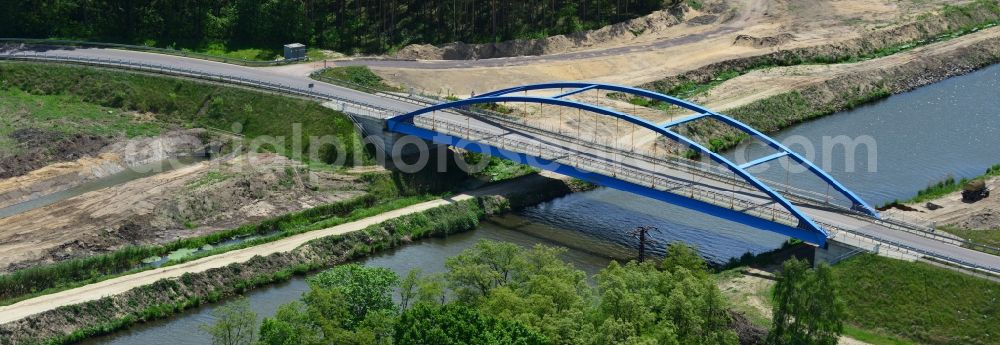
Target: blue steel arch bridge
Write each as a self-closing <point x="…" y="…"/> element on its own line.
<point x="546" y="126"/>
<point x="759" y="204"/>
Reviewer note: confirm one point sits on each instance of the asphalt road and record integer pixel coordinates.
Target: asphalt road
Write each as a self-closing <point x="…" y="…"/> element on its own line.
<point x="267" y="74"/>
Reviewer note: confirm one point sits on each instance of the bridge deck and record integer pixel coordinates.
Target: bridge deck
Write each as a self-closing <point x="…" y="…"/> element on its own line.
<point x="694" y="183"/>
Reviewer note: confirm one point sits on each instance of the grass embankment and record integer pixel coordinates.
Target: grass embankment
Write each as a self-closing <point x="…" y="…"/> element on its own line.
<point x="360" y="78"/>
<point x="918" y="301"/>
<point x="224" y="52"/>
<point x="47" y="279"/>
<point x="67" y="115"/>
<point x="257" y="115"/>
<point x="989" y="237"/>
<point x="889" y="301"/>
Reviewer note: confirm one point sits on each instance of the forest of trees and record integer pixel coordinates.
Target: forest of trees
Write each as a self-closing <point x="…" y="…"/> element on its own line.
<point x="350" y="26"/>
<point x="500" y="293"/>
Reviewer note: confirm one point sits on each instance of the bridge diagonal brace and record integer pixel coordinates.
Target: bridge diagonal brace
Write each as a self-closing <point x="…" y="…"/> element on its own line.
<point x="858" y="204"/>
<point x="684" y="120"/>
<point x="573" y="92"/>
<point x="763" y="160"/>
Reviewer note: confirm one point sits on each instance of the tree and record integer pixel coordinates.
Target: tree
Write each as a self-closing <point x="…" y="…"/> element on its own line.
<point x="458" y="324"/>
<point x="349" y="304"/>
<point x="512" y="296"/>
<point x="408" y="288"/>
<point x="364" y="289"/>
<point x="642" y="304"/>
<point x="416" y="288"/>
<point x="806" y="307"/>
<point x="291" y="325"/>
<point x="485" y="266"/>
<point x="682" y="255"/>
<point x="235" y="324"/>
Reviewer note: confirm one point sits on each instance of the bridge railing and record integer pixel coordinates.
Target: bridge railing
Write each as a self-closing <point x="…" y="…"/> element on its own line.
<point x="760" y="210"/>
<point x="766" y="210"/>
<point x="910" y="250"/>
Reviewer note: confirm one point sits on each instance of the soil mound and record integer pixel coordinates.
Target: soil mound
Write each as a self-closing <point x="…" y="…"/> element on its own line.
<point x="615" y="33"/>
<point x="762" y="42"/>
<point x="43" y="147"/>
<point x="985" y="219"/>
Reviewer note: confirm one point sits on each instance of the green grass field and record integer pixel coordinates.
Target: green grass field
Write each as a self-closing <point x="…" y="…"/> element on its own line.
<point x="69" y="114"/>
<point x="356" y="77"/>
<point x="257" y="115"/>
<point x="989" y="237"/>
<point x="918" y="301"/>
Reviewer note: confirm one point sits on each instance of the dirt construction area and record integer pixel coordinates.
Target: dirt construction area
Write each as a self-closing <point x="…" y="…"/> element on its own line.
<point x="654" y="47"/>
<point x="950" y="210"/>
<point x="189" y="200"/>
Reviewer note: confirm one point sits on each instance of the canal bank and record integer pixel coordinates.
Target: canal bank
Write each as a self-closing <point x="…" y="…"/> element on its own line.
<point x="86" y="314"/>
<point x="428" y="255"/>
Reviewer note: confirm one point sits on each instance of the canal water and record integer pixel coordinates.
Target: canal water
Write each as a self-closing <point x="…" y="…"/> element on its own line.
<point x="921" y="136"/>
<point x="427" y="255"/>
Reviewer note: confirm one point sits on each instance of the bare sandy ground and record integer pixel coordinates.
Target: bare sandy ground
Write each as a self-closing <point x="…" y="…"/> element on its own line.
<point x="765" y="83"/>
<point x="742" y="90"/>
<point x="185" y="202"/>
<point x="114" y="158"/>
<point x="809" y="22"/>
<point x="980" y="215"/>
<point x="121" y="284"/>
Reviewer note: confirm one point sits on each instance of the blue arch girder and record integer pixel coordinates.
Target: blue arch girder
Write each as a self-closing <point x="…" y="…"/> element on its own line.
<point x="806" y="230"/>
<point x="858" y="204"/>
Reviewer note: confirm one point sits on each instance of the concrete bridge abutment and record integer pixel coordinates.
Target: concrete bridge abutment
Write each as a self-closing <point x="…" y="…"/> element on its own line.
<point x="395" y="151"/>
<point x="834" y="252"/>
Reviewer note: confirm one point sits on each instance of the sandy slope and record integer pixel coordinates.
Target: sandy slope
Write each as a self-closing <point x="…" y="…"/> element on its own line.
<point x="666" y="52"/>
